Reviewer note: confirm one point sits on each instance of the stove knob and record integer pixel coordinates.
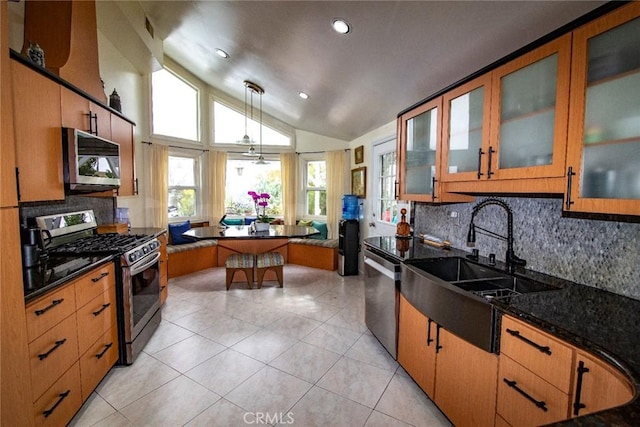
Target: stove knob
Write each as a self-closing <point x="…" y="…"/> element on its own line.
<point x="132" y="257"/>
<point x="145" y="250"/>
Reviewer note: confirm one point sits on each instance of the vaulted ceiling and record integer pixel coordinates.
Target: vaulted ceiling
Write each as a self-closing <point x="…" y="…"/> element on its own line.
<point x="397" y="53"/>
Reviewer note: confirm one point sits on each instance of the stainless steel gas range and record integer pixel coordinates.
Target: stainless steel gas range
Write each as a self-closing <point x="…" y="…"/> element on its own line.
<point x="136" y="258"/>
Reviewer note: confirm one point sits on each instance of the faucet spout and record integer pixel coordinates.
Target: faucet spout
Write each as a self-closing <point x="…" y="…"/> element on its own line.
<point x="510" y="259"/>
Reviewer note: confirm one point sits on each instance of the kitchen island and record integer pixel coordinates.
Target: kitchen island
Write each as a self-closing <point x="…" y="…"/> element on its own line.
<point x="601" y="323"/>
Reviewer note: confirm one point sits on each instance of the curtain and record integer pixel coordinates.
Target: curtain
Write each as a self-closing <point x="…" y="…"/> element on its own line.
<point x="158" y="178"/>
<point x="336" y="188"/>
<point x="216" y="183"/>
<point x="288" y="167"/>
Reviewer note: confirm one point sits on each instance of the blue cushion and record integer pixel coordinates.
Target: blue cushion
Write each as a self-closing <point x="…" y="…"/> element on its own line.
<point x="249" y="219"/>
<point x="176" y="230"/>
<point x="233" y="221"/>
<point x="322" y="228"/>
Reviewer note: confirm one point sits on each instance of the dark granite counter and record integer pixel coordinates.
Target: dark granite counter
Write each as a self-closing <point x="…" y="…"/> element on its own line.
<point x="245" y="232"/>
<point x="600" y="322"/>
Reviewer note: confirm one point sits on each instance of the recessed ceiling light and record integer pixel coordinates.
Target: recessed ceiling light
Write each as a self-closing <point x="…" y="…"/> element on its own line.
<point x="303" y="95"/>
<point x="341" y="26"/>
<point x="222" y="54"/>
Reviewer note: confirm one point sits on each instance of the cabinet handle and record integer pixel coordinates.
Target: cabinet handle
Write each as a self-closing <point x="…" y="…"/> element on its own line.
<point x="543" y="349"/>
<point x="106" y="347"/>
<point x="92" y="118"/>
<point x="61" y="397"/>
<point x="577" y="405"/>
<point x="135" y="187"/>
<point x="570" y="174"/>
<point x="489" y="173"/>
<point x="429" y="339"/>
<point x="52" y="349"/>
<point x="18" y="183"/>
<point x="433" y="188"/>
<point x="539" y="403"/>
<point x="100" y="277"/>
<point x="49" y="307"/>
<point x="103" y="308"/>
<point x="162" y="288"/>
<point x="395" y="189"/>
<point x="480" y="153"/>
<point x="438" y="346"/>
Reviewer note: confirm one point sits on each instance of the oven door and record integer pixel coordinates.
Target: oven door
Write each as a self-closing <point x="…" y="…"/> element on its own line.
<point x="141" y="303"/>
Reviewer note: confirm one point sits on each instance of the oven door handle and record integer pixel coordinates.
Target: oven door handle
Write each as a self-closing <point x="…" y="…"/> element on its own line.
<point x="138" y="268"/>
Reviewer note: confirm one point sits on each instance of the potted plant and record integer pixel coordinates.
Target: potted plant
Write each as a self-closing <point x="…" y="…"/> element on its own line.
<point x="261" y="200"/>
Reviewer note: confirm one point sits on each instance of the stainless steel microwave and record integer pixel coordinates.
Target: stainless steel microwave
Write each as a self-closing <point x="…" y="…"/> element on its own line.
<point x="91" y="163"/>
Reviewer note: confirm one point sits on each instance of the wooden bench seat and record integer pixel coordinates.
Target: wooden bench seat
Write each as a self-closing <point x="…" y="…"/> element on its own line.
<point x="191" y="257"/>
<point x="314" y="253"/>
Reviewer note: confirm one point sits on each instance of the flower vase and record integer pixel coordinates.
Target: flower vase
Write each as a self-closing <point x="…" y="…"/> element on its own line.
<point x="261" y="226"/>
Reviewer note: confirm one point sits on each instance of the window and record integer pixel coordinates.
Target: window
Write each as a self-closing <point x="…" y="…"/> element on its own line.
<point x="316" y="188"/>
<point x="229" y="128"/>
<point x="244" y="176"/>
<point x="174" y="106"/>
<point x="184" y="186"/>
<point x="387" y="205"/>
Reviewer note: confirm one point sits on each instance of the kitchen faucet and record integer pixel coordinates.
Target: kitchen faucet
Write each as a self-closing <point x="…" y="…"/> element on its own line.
<point x="511" y="259"/>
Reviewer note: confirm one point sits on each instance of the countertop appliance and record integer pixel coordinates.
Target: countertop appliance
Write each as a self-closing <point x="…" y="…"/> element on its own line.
<point x="90" y="163"/>
<point x="382" y="284"/>
<point x="136" y="258"/>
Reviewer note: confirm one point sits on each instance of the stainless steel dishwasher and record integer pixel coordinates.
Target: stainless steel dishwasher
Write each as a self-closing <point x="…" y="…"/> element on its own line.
<point x="382" y="285"/>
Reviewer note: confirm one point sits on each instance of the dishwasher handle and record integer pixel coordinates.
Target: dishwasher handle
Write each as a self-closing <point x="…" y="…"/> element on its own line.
<point x="391" y="274"/>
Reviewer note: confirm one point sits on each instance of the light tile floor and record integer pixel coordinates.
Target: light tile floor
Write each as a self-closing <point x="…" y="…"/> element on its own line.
<point x="301" y="355"/>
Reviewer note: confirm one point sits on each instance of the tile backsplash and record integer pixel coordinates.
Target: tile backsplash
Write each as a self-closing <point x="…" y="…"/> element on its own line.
<point x="103" y="207"/>
<point x="602" y="254"/>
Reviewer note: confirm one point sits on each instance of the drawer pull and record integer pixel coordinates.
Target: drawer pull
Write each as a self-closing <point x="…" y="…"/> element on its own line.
<point x="106" y="347"/>
<point x="429" y="339"/>
<point x="577" y="405"/>
<point x="58" y="344"/>
<point x="543" y="349"/>
<point x="61" y="397"/>
<point x="438" y="346"/>
<point x="103" y="308"/>
<point x="539" y="403"/>
<point x="100" y="277"/>
<point x="49" y="307"/>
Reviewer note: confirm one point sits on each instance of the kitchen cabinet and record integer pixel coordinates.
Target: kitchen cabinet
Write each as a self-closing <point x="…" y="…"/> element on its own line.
<point x="507" y="128"/>
<point x="447" y="368"/>
<point x="38" y="135"/>
<point x="9" y="194"/>
<point x="419" y="139"/>
<point x="603" y="155"/>
<point x="72" y="336"/>
<point x="122" y="133"/>
<point x="80" y="113"/>
<point x="416" y="334"/>
<point x="164" y="268"/>
<point x="597" y="386"/>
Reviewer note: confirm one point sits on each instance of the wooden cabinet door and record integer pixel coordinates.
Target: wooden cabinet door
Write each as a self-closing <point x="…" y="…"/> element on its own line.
<point x="529" y="114"/>
<point x="14" y="353"/>
<point x="597" y="386"/>
<point x="38" y="135"/>
<point x="122" y="133"/>
<point x="465" y="388"/>
<point x="416" y="346"/>
<point x="75" y="110"/>
<point x="9" y="194"/>
<point x="101" y="121"/>
<point x="465" y="124"/>
<point x="603" y="155"/>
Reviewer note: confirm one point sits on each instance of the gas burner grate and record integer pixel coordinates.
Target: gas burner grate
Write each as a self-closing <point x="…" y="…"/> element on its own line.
<point x="102" y="243"/>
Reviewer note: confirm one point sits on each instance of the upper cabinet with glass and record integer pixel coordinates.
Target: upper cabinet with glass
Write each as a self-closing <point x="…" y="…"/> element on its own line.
<point x="512" y="122"/>
<point x="603" y="155"/>
<point x="419" y="132"/>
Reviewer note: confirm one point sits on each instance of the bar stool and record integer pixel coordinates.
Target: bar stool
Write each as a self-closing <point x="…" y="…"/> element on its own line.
<point x="266" y="261"/>
<point x="237" y="262"/>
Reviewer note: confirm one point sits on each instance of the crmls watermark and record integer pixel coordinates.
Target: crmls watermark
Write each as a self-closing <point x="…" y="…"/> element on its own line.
<point x="268" y="418"/>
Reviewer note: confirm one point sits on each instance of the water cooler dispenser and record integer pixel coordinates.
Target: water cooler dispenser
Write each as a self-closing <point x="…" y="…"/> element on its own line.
<point x="349" y="237"/>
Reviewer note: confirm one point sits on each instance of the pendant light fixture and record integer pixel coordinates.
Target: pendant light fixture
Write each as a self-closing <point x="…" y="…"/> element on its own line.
<point x="261" y="160"/>
<point x="245" y="140"/>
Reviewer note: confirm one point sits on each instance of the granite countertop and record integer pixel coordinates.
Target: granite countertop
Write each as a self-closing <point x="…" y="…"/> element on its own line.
<point x="600" y="322"/>
<point x="245" y="232"/>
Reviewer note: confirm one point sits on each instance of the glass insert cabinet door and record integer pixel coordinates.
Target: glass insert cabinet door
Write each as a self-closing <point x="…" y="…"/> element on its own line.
<point x="419" y="141"/>
<point x="604" y="153"/>
<point x="466" y="130"/>
<point x="529" y="116"/>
